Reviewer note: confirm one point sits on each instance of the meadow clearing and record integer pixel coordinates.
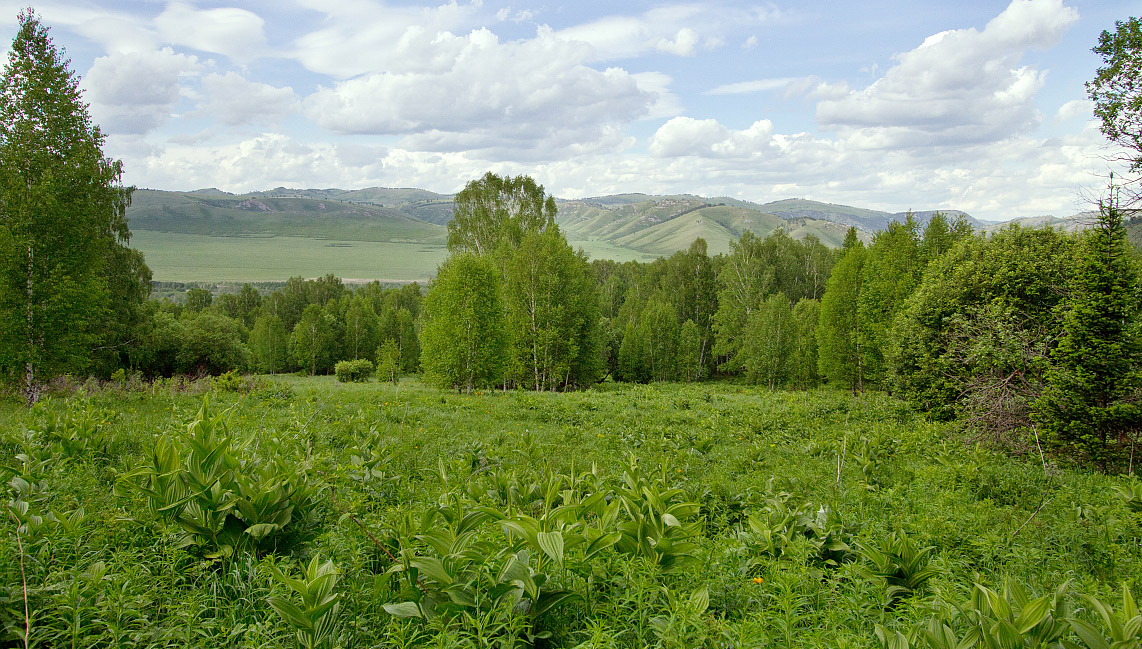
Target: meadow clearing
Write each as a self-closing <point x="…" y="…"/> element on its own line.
<point x="666" y="515"/>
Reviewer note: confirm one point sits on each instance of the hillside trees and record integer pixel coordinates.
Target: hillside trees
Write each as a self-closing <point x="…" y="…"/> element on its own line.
<point x="550" y="319"/>
<point x="977" y="331"/>
<point x="313" y="341"/>
<point x="839" y="353"/>
<point x="497" y="210"/>
<point x="552" y="314"/>
<point x="1089" y="405"/>
<point x="62" y="219"/>
<point x="462" y="336"/>
<point x="269" y="344"/>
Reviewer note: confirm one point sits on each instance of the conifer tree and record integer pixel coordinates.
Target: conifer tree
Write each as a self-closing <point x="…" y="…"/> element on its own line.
<point x="1089" y="406"/>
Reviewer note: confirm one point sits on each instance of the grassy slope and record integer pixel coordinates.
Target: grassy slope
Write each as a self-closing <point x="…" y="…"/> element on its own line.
<point x="729" y="448"/>
<point x="276" y="216"/>
<point x="195" y="258"/>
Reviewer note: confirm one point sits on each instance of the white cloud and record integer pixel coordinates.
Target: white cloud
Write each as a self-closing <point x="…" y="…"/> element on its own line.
<point x="750" y="43"/>
<point x="233" y="100"/>
<point x="747" y="87"/>
<point x="685" y="43"/>
<point x="359" y="38"/>
<point x="232" y="32"/>
<point x="959" y="86"/>
<point x="506" y="14"/>
<point x="1075" y="108"/>
<point x="671" y="29"/>
<point x="533" y="94"/>
<point x="136" y="92"/>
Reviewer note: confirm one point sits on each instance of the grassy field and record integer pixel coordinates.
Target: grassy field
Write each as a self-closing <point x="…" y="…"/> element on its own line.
<point x="196" y="258"/>
<point x="302" y="512"/>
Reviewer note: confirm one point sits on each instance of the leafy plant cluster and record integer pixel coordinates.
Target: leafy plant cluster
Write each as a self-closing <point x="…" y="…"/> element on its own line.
<point x="393" y="515"/>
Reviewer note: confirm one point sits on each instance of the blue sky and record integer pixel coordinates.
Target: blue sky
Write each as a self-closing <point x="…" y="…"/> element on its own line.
<point x="896" y="105"/>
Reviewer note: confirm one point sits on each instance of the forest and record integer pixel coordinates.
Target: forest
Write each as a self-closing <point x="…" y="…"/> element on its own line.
<point x="927" y="440"/>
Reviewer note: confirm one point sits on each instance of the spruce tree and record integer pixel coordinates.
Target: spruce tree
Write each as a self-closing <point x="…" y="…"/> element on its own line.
<point x="1089" y="407"/>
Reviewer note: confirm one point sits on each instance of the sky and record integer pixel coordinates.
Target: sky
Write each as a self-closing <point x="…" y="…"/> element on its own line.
<point x="900" y="104"/>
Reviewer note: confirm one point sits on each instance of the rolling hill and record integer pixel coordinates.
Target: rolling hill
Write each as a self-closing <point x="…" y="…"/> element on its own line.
<point x="216" y="214"/>
<point x="400" y="233"/>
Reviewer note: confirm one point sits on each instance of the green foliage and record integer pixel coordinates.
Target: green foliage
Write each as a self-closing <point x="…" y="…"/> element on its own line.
<point x="495" y="211"/>
<point x="900" y="563"/>
<point x="1123" y="627"/>
<point x="212" y="344"/>
<point x="315" y="620"/>
<point x="1013" y="279"/>
<point x="659" y="525"/>
<point x="890" y="273"/>
<point x="1115" y="92"/>
<point x="222" y="501"/>
<point x="803" y="361"/>
<point x="313" y="343"/>
<point x="552" y="314"/>
<point x="770" y="339"/>
<point x="388" y="361"/>
<point x="462" y="335"/>
<point x="525" y="535"/>
<point x="358" y="371"/>
<point x="1089" y="404"/>
<point x="63" y="233"/>
<point x="269" y="344"/>
<point x="840" y="356"/>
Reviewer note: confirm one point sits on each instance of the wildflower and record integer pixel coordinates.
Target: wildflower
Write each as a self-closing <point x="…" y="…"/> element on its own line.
<point x="758" y="580"/>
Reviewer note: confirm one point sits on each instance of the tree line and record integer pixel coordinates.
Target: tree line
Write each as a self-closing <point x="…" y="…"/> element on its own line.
<point x="1024" y="332"/>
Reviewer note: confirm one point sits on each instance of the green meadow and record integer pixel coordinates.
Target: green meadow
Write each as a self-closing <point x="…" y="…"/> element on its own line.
<point x="175" y="257"/>
<point x="303" y="512"/>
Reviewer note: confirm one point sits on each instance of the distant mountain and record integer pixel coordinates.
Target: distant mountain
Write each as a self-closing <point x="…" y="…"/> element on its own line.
<point x="642" y="224"/>
<point x="660" y="225"/>
<point x="265" y="214"/>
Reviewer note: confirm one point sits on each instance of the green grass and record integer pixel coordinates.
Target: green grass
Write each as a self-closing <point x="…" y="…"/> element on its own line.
<point x="195" y="258"/>
<point x="382" y="457"/>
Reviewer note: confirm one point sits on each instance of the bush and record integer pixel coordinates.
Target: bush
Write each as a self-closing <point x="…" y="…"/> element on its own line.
<point x="355" y="371"/>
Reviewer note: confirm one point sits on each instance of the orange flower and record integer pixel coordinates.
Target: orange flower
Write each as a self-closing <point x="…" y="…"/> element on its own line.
<point x="758" y="580"/>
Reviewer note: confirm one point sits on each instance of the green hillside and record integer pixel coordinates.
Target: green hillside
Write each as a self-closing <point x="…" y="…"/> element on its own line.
<point x="270" y="235"/>
<point x="270" y="215"/>
<point x="661" y="225"/>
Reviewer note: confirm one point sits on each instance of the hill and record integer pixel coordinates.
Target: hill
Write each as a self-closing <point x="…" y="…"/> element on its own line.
<point x="661" y="225"/>
<point x="327" y="222"/>
<point x="217" y="214"/>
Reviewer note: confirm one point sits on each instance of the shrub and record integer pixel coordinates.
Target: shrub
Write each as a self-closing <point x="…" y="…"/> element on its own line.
<point x="354" y="371"/>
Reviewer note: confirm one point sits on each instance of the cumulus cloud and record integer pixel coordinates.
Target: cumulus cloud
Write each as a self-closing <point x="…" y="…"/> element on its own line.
<point x="235" y="33"/>
<point x="684" y="43"/>
<point x="136" y="92"/>
<point x="685" y="136"/>
<point x="233" y="100"/>
<point x="359" y="38"/>
<point x="958" y="86"/>
<point x="533" y="93"/>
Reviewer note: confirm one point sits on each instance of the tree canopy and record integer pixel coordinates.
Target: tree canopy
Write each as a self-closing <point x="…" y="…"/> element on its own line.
<point x="63" y="228"/>
<point x="1117" y="94"/>
<point x="497" y="209"/>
